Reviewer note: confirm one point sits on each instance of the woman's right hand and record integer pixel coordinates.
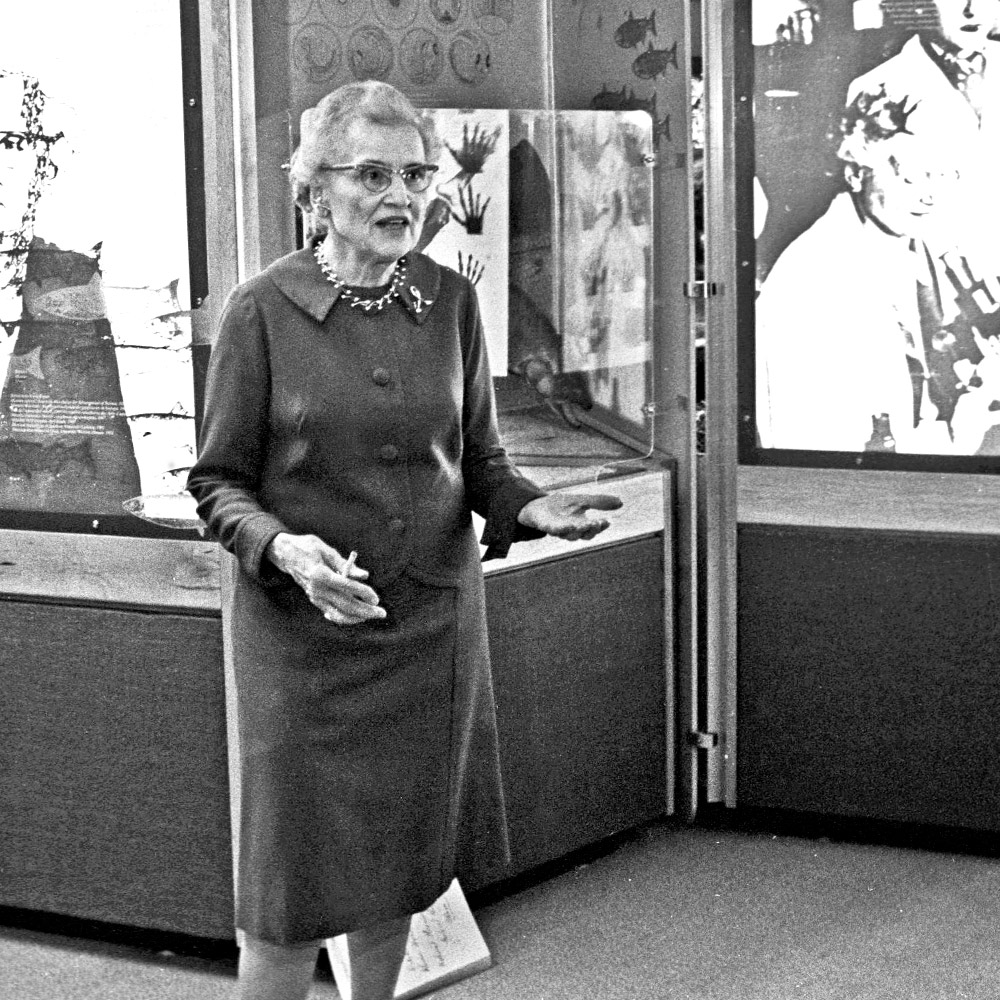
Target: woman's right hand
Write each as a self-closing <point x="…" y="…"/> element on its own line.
<point x="318" y="569"/>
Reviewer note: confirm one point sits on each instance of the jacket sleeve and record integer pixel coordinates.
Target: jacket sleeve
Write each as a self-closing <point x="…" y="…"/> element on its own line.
<point x="495" y="488"/>
<point x="233" y="438"/>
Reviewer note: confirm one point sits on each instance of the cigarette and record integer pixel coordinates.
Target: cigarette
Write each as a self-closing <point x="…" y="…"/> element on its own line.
<point x="349" y="565"/>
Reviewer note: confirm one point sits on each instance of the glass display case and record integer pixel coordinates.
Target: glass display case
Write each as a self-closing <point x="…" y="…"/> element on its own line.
<point x="569" y="127"/>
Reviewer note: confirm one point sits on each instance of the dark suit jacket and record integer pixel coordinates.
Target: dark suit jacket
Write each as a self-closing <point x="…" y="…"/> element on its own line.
<point x="376" y="432"/>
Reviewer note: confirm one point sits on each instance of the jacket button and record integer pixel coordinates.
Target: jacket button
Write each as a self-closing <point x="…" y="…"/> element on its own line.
<point x="396" y="526"/>
<point x="388" y="453"/>
<point x="381" y="376"/>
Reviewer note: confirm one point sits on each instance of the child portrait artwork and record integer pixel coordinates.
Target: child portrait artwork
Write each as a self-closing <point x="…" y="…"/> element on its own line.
<point x="877" y="316"/>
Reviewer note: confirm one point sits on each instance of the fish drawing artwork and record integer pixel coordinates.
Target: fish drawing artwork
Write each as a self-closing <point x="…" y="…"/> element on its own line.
<point x="635" y="30"/>
<point x="655" y="62"/>
<point x="622" y="100"/>
<point x="608" y="100"/>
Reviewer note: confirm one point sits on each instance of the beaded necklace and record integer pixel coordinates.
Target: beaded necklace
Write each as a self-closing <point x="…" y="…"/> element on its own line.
<point x="356" y="301"/>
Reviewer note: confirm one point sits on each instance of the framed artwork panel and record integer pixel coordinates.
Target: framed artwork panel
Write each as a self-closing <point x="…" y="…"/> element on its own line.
<point x="870" y="329"/>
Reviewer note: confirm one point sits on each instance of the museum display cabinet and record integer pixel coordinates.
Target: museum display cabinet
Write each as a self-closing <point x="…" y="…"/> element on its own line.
<point x="567" y="176"/>
<point x="867" y="618"/>
<point x="114" y="777"/>
<point x="866" y="414"/>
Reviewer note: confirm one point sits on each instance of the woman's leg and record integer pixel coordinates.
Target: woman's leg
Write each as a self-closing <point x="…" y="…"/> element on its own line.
<point x="274" y="971"/>
<point x="376" y="957"/>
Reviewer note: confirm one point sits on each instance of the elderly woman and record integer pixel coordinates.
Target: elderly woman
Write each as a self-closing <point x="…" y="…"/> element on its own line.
<point x="349" y="430"/>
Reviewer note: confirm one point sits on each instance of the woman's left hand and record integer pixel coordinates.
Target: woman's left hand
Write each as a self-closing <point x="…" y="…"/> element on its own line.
<point x="565" y="514"/>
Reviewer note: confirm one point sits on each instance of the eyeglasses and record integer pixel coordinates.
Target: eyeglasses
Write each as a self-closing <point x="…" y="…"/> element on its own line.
<point x="377" y="178"/>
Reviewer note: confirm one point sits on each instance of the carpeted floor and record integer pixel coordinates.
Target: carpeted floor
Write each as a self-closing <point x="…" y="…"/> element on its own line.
<point x="669" y="912"/>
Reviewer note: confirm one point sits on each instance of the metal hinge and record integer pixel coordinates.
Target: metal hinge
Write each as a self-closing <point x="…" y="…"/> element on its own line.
<point x="703" y="289"/>
<point x="703" y="741"/>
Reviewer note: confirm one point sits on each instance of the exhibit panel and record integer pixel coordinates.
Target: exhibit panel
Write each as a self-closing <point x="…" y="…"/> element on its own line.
<point x="98" y="252"/>
<point x="870" y="318"/>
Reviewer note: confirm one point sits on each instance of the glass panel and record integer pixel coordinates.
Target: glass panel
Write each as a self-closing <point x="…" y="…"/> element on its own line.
<point x="97" y="401"/>
<point x="566" y="121"/>
<point x="875" y="208"/>
<point x="562" y="264"/>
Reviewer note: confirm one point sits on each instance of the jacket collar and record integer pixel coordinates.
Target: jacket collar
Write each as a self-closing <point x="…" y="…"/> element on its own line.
<point x="299" y="279"/>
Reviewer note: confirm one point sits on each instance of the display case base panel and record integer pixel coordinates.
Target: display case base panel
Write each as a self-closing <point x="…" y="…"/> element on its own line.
<point x="868" y="678"/>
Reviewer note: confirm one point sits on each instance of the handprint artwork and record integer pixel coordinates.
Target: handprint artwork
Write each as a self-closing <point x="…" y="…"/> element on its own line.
<point x="467" y="221"/>
<point x="473" y="208"/>
<point x="569" y="322"/>
<point x="476" y="148"/>
<point x="470" y="267"/>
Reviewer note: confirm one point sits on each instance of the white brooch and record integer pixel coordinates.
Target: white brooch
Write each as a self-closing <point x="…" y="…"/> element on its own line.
<point x="419" y="303"/>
